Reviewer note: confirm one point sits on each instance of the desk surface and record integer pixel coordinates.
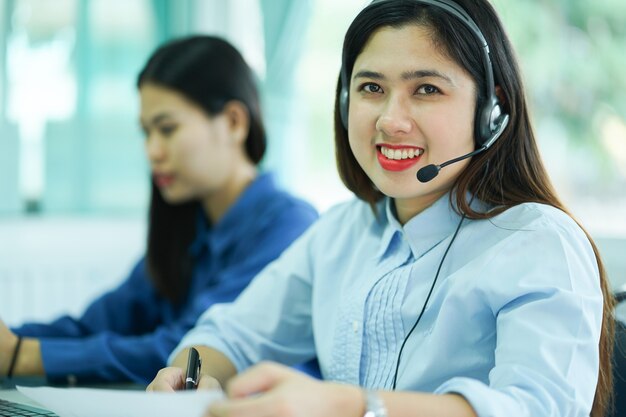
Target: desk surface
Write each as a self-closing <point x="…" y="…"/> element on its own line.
<point x="9" y="393"/>
<point x="16" y="396"/>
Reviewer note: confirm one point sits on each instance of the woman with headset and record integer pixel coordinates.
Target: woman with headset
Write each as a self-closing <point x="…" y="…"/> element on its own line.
<point x="215" y="221"/>
<point x="468" y="292"/>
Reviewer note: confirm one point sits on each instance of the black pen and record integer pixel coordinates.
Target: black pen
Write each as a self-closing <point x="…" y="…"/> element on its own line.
<point x="194" y="363"/>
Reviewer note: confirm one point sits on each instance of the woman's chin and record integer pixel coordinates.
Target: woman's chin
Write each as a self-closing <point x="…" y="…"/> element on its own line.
<point x="174" y="198"/>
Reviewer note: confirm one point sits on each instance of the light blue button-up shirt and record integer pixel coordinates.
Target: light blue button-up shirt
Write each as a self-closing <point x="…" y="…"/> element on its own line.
<point x="513" y="323"/>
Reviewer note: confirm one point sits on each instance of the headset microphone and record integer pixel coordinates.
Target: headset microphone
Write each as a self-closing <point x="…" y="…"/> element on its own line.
<point x="429" y="172"/>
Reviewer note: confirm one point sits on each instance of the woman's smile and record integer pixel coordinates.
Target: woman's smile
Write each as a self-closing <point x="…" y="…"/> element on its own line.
<point x="398" y="157"/>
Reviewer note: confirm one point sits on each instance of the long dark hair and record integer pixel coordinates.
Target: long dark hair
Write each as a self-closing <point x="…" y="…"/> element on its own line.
<point x="210" y="72"/>
<point x="515" y="171"/>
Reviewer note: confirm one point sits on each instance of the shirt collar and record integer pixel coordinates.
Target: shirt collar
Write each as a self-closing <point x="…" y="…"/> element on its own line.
<point x="426" y="229"/>
<point x="235" y="223"/>
<point x="431" y="226"/>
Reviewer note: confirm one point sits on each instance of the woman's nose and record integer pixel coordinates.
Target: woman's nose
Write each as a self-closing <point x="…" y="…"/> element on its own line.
<point x="154" y="148"/>
<point x="394" y="118"/>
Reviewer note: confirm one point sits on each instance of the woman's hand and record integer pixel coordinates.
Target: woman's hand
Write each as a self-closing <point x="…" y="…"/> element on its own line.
<point x="168" y="379"/>
<point x="270" y="389"/>
<point x="8" y="340"/>
<point x="173" y="379"/>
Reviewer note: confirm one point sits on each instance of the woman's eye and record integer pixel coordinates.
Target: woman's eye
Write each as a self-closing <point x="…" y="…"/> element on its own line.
<point x="371" y="88"/>
<point x="428" y="90"/>
<point x="167" y="130"/>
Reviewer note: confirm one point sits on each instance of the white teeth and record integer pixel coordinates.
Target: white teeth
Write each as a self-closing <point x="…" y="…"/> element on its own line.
<point x="399" y="154"/>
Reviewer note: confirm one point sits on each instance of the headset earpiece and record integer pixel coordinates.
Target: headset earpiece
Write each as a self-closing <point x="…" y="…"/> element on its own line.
<point x="492" y="122"/>
<point x="344" y="102"/>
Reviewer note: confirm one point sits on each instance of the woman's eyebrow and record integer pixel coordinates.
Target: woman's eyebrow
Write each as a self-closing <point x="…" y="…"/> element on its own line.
<point x="368" y="74"/>
<point x="411" y="75"/>
<point x="406" y="76"/>
<point x="160" y="117"/>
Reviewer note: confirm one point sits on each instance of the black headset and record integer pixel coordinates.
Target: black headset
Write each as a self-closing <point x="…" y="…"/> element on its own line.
<point x="490" y="118"/>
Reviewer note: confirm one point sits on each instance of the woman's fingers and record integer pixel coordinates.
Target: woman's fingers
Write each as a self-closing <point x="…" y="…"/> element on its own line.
<point x="259" y="378"/>
<point x="207" y="382"/>
<point x="167" y="379"/>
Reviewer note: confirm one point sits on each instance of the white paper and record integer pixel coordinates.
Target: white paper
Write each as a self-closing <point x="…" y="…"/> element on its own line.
<point x="87" y="402"/>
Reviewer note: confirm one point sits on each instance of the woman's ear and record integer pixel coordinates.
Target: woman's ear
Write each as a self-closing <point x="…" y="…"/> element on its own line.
<point x="501" y="96"/>
<point x="238" y="120"/>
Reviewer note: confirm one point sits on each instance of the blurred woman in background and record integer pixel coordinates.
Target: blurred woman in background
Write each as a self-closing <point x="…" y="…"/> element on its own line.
<point x="214" y="223"/>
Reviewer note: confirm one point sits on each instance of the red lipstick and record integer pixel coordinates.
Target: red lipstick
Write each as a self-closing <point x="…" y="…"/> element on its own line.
<point x="397" y="164"/>
<point x="163" y="180"/>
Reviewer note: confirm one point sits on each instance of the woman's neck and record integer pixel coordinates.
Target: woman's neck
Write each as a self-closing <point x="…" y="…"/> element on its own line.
<point x="408" y="208"/>
<point x="219" y="202"/>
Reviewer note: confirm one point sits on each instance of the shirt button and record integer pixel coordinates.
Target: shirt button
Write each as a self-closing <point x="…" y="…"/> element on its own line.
<point x="355" y="326"/>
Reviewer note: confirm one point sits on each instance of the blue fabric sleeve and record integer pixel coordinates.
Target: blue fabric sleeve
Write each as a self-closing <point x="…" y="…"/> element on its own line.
<point x="110" y="356"/>
<point x="121" y="335"/>
<point x="271" y="320"/>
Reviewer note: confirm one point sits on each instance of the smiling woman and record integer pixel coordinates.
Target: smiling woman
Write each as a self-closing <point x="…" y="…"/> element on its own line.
<point x="473" y="293"/>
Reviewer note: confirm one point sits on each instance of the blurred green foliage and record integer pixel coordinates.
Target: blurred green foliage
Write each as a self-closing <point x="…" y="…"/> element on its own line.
<point x="573" y="54"/>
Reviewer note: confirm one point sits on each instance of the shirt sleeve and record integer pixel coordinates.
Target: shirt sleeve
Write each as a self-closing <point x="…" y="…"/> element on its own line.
<point x="270" y="320"/>
<point x="91" y="351"/>
<point x="122" y="337"/>
<point x="108" y="356"/>
<point x="543" y="289"/>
